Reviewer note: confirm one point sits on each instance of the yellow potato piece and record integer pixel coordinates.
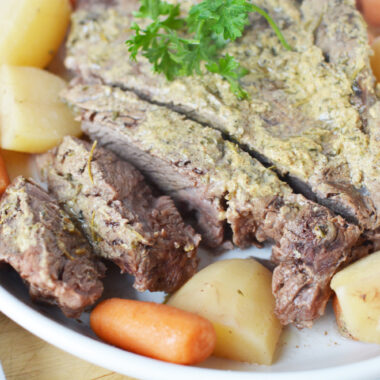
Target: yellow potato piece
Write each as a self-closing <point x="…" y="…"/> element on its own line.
<point x="32" y="30"/>
<point x="357" y="306"/>
<point x="236" y="296"/>
<point x="33" y="119"/>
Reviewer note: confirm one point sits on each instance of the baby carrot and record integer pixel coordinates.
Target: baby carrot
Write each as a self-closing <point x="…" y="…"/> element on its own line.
<point x="4" y="178"/>
<point x="375" y="58"/>
<point x="159" y="331"/>
<point x="371" y="11"/>
<point x="371" y="37"/>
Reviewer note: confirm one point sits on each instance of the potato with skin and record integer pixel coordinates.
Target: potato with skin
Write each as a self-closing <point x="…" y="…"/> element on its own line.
<point x="236" y="296"/>
<point x="33" y="118"/>
<point x="32" y="30"/>
<point x="357" y="301"/>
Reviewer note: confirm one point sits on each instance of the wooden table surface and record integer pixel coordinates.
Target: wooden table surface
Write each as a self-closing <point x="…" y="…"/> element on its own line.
<point x="24" y="356"/>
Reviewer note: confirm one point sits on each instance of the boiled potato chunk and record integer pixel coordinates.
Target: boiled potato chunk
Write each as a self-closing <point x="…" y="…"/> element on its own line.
<point x="32" y="117"/>
<point x="32" y="30"/>
<point x="357" y="303"/>
<point x="236" y="296"/>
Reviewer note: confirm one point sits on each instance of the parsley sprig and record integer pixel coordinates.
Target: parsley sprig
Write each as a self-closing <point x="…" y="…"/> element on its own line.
<point x="177" y="46"/>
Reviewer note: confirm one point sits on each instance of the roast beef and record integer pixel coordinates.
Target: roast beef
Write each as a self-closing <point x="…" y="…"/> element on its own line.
<point x="226" y="186"/>
<point x="143" y="234"/>
<point x="39" y="240"/>
<point x="312" y="111"/>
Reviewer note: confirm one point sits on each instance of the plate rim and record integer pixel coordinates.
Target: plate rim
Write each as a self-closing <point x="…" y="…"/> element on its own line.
<point x="148" y="368"/>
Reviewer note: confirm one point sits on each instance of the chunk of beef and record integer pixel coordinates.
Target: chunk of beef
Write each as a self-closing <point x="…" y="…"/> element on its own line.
<point x="312" y="112"/>
<point x="39" y="240"/>
<point x="196" y="166"/>
<point x="342" y="36"/>
<point x="124" y="222"/>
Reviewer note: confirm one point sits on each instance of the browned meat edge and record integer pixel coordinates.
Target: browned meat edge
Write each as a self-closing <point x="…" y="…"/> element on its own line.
<point x="144" y="235"/>
<point x="39" y="240"/>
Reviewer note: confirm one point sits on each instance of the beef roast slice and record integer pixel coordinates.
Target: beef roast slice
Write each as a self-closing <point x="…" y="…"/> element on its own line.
<point x="125" y="223"/>
<point x="192" y="163"/>
<point x="198" y="167"/>
<point x="39" y="240"/>
<point x="312" y="111"/>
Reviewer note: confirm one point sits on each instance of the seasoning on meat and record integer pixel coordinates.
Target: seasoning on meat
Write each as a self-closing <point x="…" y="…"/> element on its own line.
<point x="39" y="240"/>
<point x="144" y="235"/>
<point x="312" y="112"/>
<point x="225" y="186"/>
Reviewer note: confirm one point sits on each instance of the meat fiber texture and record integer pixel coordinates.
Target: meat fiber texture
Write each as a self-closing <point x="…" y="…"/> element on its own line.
<point x="228" y="190"/>
<point x="143" y="234"/>
<point x="39" y="240"/>
<point x="312" y="112"/>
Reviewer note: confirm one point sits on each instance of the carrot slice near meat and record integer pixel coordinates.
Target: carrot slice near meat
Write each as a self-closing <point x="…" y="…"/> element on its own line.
<point x="375" y="58"/>
<point x="4" y="178"/>
<point x="371" y="11"/>
<point x="159" y="331"/>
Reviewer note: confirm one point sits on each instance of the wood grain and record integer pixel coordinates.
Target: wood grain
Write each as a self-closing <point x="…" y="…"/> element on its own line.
<point x="24" y="356"/>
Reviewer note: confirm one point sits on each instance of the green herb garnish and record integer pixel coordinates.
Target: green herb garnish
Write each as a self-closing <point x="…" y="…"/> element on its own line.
<point x="177" y="46"/>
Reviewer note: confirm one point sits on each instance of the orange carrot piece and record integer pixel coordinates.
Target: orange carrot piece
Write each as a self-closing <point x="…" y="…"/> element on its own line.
<point x="4" y="178"/>
<point x="371" y="11"/>
<point x="371" y="37"/>
<point x="375" y="58"/>
<point x="159" y="331"/>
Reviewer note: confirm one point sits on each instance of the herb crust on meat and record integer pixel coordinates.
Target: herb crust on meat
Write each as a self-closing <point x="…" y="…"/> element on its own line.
<point x="125" y="223"/>
<point x="312" y="112"/>
<point x="39" y="240"/>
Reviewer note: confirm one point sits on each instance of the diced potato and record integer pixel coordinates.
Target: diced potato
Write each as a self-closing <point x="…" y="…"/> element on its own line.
<point x="357" y="303"/>
<point x="32" y="30"/>
<point x="375" y="59"/>
<point x="235" y="295"/>
<point x="32" y="117"/>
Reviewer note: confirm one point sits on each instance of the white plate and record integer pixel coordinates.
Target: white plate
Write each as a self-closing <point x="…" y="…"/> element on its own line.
<point x="319" y="353"/>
